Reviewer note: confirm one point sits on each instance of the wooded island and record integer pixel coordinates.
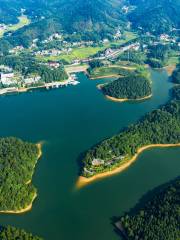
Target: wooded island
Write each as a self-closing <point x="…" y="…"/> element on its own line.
<point x="17" y="161"/>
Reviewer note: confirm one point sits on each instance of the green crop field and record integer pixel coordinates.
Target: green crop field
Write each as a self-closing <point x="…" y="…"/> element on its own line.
<point x="85" y="52"/>
<point x="23" y="21"/>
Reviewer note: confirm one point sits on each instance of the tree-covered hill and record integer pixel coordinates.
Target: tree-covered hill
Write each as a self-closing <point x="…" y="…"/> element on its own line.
<point x="91" y="19"/>
<point x="157" y="16"/>
<point x="9" y="11"/>
<point x="158" y="219"/>
<point x="135" y="86"/>
<point x="89" y="15"/>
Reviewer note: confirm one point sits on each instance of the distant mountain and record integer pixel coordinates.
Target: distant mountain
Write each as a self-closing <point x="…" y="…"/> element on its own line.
<point x="89" y="15"/>
<point x="157" y="16"/>
<point x="91" y="19"/>
<point x="9" y="11"/>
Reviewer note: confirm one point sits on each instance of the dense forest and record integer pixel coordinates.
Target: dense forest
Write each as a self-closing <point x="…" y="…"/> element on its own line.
<point x="176" y="92"/>
<point x="9" y="11"/>
<point x="88" y="19"/>
<point x="12" y="233"/>
<point x="158" y="218"/>
<point x="17" y="161"/>
<point x="134" y="86"/>
<point x="133" y="56"/>
<point x="176" y="75"/>
<point x="161" y="126"/>
<point x="163" y="15"/>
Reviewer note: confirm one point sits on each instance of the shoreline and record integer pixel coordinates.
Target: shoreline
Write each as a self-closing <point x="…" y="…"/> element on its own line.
<point x="23" y="210"/>
<point x="39" y="147"/>
<point x="170" y="69"/>
<point x="29" y="207"/>
<point x="83" y="181"/>
<point x="106" y="76"/>
<point x="51" y="85"/>
<point x="127" y="99"/>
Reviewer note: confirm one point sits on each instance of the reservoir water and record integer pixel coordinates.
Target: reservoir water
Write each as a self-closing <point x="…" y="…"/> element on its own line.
<point x="70" y="121"/>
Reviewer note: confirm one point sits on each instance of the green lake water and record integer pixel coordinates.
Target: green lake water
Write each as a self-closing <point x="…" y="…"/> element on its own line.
<point x="70" y="121"/>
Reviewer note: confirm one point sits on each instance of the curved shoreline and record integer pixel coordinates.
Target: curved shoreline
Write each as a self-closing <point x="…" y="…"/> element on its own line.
<point x="29" y="207"/>
<point x="127" y="99"/>
<point x="105" y="76"/>
<point x="23" y="210"/>
<point x="83" y="181"/>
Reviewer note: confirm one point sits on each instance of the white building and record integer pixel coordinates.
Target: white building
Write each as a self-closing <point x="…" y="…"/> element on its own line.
<point x="32" y="80"/>
<point x="164" y="37"/>
<point x="97" y="162"/>
<point x="7" y="79"/>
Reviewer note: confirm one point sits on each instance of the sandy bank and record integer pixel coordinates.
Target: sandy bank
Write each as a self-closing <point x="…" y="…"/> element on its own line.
<point x="23" y="210"/>
<point x="170" y="69"/>
<point x="126" y="99"/>
<point x="83" y="181"/>
<point x="106" y="76"/>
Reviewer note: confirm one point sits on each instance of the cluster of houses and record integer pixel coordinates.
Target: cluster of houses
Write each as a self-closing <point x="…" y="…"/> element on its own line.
<point x="111" y="53"/>
<point x="8" y="78"/>
<point x="16" y="49"/>
<point x="52" y="65"/>
<point x="55" y="36"/>
<point x="96" y="162"/>
<point x="66" y="48"/>
<point x="50" y="52"/>
<point x="31" y="80"/>
<point x="3" y="27"/>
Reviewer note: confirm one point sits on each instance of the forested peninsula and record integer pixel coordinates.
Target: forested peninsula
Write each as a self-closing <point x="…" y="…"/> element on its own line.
<point x="160" y="128"/>
<point x="132" y="87"/>
<point x="12" y="233"/>
<point x="17" y="163"/>
<point x="157" y="219"/>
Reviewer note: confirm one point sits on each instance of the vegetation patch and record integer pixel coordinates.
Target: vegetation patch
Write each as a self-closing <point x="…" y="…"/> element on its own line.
<point x="17" y="162"/>
<point x="135" y="86"/>
<point x="161" y="126"/>
<point x="157" y="219"/>
<point x="12" y="233"/>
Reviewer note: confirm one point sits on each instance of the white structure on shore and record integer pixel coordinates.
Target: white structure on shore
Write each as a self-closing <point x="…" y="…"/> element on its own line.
<point x="32" y="80"/>
<point x="97" y="162"/>
<point x="7" y="79"/>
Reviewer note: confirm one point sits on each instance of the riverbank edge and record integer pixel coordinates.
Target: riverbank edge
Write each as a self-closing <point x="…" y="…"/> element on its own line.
<point x="83" y="181"/>
<point x="99" y="86"/>
<point x="55" y="84"/>
<point x="29" y="207"/>
<point x="105" y="76"/>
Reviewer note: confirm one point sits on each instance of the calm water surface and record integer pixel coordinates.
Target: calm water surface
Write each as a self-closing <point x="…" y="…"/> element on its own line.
<point x="70" y="121"/>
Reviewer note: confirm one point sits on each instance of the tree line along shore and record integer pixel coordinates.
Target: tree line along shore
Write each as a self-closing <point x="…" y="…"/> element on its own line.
<point x="157" y="218"/>
<point x="161" y="127"/>
<point x="18" y="160"/>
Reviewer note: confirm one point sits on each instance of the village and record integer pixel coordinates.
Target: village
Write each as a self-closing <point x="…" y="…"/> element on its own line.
<point x="13" y="81"/>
